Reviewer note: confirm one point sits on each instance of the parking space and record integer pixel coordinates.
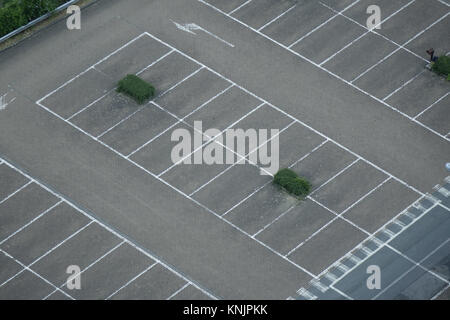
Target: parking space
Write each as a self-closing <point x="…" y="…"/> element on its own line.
<point x="323" y="164"/>
<point x="417" y="284"/>
<point x="261" y="208"/>
<point x="190" y="293"/>
<point x="79" y="92"/>
<point x="391" y="74"/>
<point x="438" y="116"/>
<point x="36" y="255"/>
<point x="9" y="267"/>
<point x="81" y="250"/>
<point x="155" y="156"/>
<point x="392" y="264"/>
<point x="258" y="13"/>
<point x="438" y="220"/>
<point x="154" y="284"/>
<point x="327" y="40"/>
<point x="11" y="182"/>
<point x="228" y="108"/>
<point x="44" y="233"/>
<point x="23" y="207"/>
<point x="381" y="206"/>
<point x="294" y="227"/>
<point x="227" y="5"/>
<point x="340" y="5"/>
<point x="349" y="186"/>
<point x="298" y="22"/>
<point x="138" y="129"/>
<point x="411" y="98"/>
<point x="131" y="59"/>
<point x="169" y="71"/>
<point x="109" y="274"/>
<point x="202" y="86"/>
<point x="105" y="113"/>
<point x="333" y="242"/>
<point x="439" y="260"/>
<point x="26" y="286"/>
<point x="435" y="37"/>
<point x="237" y="183"/>
<point x="358" y="12"/>
<point x="350" y="63"/>
<point x="412" y="20"/>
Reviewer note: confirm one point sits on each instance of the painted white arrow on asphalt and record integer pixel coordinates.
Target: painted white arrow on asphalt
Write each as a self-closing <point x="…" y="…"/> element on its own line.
<point x="189" y="27"/>
<point x="3" y="101"/>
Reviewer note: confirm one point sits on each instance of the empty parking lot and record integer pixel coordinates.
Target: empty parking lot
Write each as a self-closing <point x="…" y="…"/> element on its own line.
<point x="108" y="163"/>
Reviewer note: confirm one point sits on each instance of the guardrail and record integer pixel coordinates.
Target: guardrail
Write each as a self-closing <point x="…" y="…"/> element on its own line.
<point x="37" y="20"/>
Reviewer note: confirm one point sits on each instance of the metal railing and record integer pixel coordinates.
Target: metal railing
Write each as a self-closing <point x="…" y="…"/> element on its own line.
<point x="37" y="20"/>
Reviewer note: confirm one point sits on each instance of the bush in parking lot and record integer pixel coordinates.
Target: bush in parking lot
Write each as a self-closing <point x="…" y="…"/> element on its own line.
<point x="288" y="180"/>
<point x="136" y="88"/>
<point x="442" y="66"/>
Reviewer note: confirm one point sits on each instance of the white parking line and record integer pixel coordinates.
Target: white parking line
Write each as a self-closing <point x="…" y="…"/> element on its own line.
<point x="131" y="280"/>
<point x="113" y="89"/>
<point x="195" y="201"/>
<point x="409" y="270"/>
<point x="403" y="85"/>
<point x="88" y="267"/>
<point x="181" y="120"/>
<point x="37" y="274"/>
<point x="31" y="221"/>
<point x="239" y="7"/>
<point x="373" y="31"/>
<point x="178" y="291"/>
<point x="91" y="217"/>
<point x="444" y="3"/>
<point x="403" y="45"/>
<point x="309" y="153"/>
<point x="440" y="292"/>
<point x="366" y="33"/>
<point x="17" y="191"/>
<point x="416" y="263"/>
<point x="142" y="107"/>
<point x="243" y="159"/>
<point x="90" y="104"/>
<point x="350" y="83"/>
<point x="337" y="216"/>
<point x="211" y="139"/>
<point x="273" y="221"/>
<point x="319" y="26"/>
<point x="278" y="17"/>
<point x="155" y="62"/>
<point x="386" y="244"/>
<point x="432" y="105"/>
<point x="48" y="252"/>
<point x="287" y="211"/>
<point x="365" y="196"/>
<point x="335" y="175"/>
<point x="322" y="68"/>
<point x="89" y="68"/>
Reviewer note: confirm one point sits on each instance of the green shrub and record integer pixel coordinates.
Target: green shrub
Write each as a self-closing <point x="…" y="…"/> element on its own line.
<point x="442" y="66"/>
<point x="288" y="180"/>
<point x="136" y="88"/>
<point x="17" y="13"/>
